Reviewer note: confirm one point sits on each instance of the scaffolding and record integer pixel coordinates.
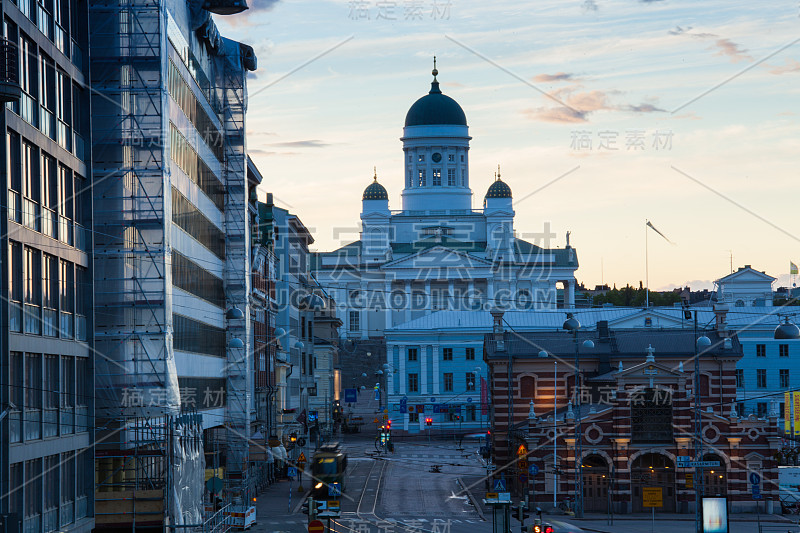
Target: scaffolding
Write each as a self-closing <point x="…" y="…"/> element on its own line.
<point x="238" y="488"/>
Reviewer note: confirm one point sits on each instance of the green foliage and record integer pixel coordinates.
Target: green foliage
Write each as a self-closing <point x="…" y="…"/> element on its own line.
<point x="635" y="297"/>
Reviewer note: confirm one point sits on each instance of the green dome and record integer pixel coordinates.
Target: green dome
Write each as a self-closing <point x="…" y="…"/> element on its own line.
<point x="499" y="189"/>
<point x="375" y="191"/>
<point x="435" y="108"/>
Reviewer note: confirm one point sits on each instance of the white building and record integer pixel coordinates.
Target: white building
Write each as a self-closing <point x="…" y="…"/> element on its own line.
<point x="438" y="251"/>
<point x="746" y="287"/>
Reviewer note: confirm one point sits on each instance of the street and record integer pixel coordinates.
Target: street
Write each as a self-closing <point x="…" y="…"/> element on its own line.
<point x="399" y="492"/>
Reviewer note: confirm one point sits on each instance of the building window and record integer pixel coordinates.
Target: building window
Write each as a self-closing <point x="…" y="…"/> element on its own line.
<point x="355" y="321"/>
<point x="33" y="291"/>
<point x="470" y="355"/>
<point x="451" y="157"/>
<point x="527" y="387"/>
<point x="193" y="336"/>
<point x="437" y="177"/>
<point x="412" y="354"/>
<point x="448" y="382"/>
<point x="196" y="280"/>
<point x="462" y="158"/>
<point x="739" y="378"/>
<point x="470" y="413"/>
<point x="761" y="378"/>
<point x="651" y="418"/>
<point x="451" y="177"/>
<point x="413" y="382"/>
<point x="762" y="409"/>
<point x="761" y="350"/>
<point x="410" y="178"/>
<point x="447" y="354"/>
<point x="470" y="379"/>
<point x="421" y="177"/>
<point x="421" y="158"/>
<point x="463" y="180"/>
<point x="783" y="373"/>
<point x="784" y="350"/>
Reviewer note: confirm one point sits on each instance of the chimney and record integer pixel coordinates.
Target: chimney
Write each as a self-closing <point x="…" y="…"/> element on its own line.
<point x="721" y="313"/>
<point x="497" y="329"/>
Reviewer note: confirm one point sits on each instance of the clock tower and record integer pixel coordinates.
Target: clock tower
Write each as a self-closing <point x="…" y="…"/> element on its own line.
<point x="436" y="154"/>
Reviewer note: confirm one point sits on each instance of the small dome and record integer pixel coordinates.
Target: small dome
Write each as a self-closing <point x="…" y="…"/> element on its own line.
<point x="435" y="108"/>
<point x="499" y="189"/>
<point x="375" y="191"/>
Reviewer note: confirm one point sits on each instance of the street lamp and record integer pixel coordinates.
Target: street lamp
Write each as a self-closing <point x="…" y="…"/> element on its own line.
<point x="572" y="325"/>
<point x="543" y="354"/>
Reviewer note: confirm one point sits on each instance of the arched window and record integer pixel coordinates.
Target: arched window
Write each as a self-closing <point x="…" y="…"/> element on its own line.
<point x="739" y="303"/>
<point x="527" y="387"/>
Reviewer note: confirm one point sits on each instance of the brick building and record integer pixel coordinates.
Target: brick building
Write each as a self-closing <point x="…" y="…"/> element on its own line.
<point x="634" y="400"/>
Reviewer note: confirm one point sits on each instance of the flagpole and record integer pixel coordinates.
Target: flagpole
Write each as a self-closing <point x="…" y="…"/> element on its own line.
<point x="646" y="267"/>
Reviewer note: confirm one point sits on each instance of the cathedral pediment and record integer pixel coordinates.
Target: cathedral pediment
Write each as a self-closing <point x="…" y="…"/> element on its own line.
<point x="439" y="258"/>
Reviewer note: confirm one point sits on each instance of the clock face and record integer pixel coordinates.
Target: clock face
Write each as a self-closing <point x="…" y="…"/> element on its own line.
<point x="436" y="157"/>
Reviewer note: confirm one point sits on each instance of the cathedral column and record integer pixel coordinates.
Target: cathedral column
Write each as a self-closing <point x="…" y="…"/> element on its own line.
<point x="569" y="293"/>
<point x="428" y="302"/>
<point x="408" y="301"/>
<point x="390" y="374"/>
<point x="423" y="369"/>
<point x="401" y="366"/>
<point x="451" y="290"/>
<point x="387" y="299"/>
<point x="435" y="359"/>
<point x="363" y="317"/>
<point x="470" y="293"/>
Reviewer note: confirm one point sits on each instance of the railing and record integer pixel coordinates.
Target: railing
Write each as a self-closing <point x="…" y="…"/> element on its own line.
<point x="14" y="209"/>
<point x="33" y="424"/>
<point x="67" y="513"/>
<point x="31" y="319"/>
<point x="50" y="322"/>
<point x="81" y="507"/>
<point x="50" y="517"/>
<point x="32" y="524"/>
<point x="49" y="222"/>
<point x="67" y="420"/>
<point x="50" y="422"/>
<point x="15" y="426"/>
<point x="30" y="214"/>
<point x="81" y="418"/>
<point x="66" y="325"/>
<point x="10" y="89"/>
<point x="47" y="122"/>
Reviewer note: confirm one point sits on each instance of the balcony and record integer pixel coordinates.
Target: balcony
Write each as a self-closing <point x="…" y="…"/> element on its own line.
<point x="9" y="71"/>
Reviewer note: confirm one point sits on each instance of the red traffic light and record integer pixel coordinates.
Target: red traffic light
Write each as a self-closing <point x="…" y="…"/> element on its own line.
<point x="388" y="424"/>
<point x="428" y="421"/>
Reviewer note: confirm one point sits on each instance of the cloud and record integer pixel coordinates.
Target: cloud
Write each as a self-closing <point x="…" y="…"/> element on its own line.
<point x="643" y="108"/>
<point x="311" y="143"/>
<point x="259" y="6"/>
<point x="559" y="76"/>
<point x="581" y="104"/>
<point x="731" y="49"/>
<point x="792" y="65"/>
<point x="690" y="115"/>
<point x="589" y="5"/>
<point x="685" y="31"/>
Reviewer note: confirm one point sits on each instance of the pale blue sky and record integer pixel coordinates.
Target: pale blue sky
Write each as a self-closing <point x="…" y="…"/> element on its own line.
<point x="619" y="65"/>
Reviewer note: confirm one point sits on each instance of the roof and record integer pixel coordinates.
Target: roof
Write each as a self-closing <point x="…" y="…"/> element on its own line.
<point x="747" y="269"/>
<point x="435" y="108"/>
<point x="623" y="342"/>
<point x="375" y="191"/>
<point x="498" y="189"/>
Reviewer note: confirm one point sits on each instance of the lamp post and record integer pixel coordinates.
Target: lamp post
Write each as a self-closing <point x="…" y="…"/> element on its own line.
<point x="701" y="343"/>
<point x="572" y="325"/>
<point x="543" y="354"/>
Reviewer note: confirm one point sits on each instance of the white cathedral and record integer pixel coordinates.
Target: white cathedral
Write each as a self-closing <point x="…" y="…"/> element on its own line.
<point x="438" y="252"/>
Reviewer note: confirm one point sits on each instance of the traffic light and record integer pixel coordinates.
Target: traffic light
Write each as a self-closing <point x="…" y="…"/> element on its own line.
<point x="521" y="511"/>
<point x="389" y="425"/>
<point x="541" y="528"/>
<point x="293" y="437"/>
<point x="428" y="421"/>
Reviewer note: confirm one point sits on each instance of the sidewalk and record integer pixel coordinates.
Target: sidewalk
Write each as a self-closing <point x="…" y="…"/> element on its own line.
<point x="281" y="499"/>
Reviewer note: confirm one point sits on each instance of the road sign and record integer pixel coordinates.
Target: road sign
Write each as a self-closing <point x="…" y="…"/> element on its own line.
<point x="523" y="478"/>
<point x="683" y="458"/>
<point x="522" y="464"/>
<point x="698" y="464"/>
<point x="420" y="407"/>
<point x="386" y="417"/>
<point x="316" y="527"/>
<point x="651" y="497"/>
<point x="689" y="480"/>
<point x="333" y="505"/>
<point x="291" y="472"/>
<point x="499" y="485"/>
<point x="385" y="411"/>
<point x="214" y="484"/>
<point x="755" y="479"/>
<point x="533" y="470"/>
<point x="469" y="400"/>
<point x="350" y="395"/>
<point x="302" y="458"/>
<point x="403" y="404"/>
<point x="334" y="489"/>
<point x="433" y="400"/>
<point x="491" y="495"/>
<point x="375" y="421"/>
